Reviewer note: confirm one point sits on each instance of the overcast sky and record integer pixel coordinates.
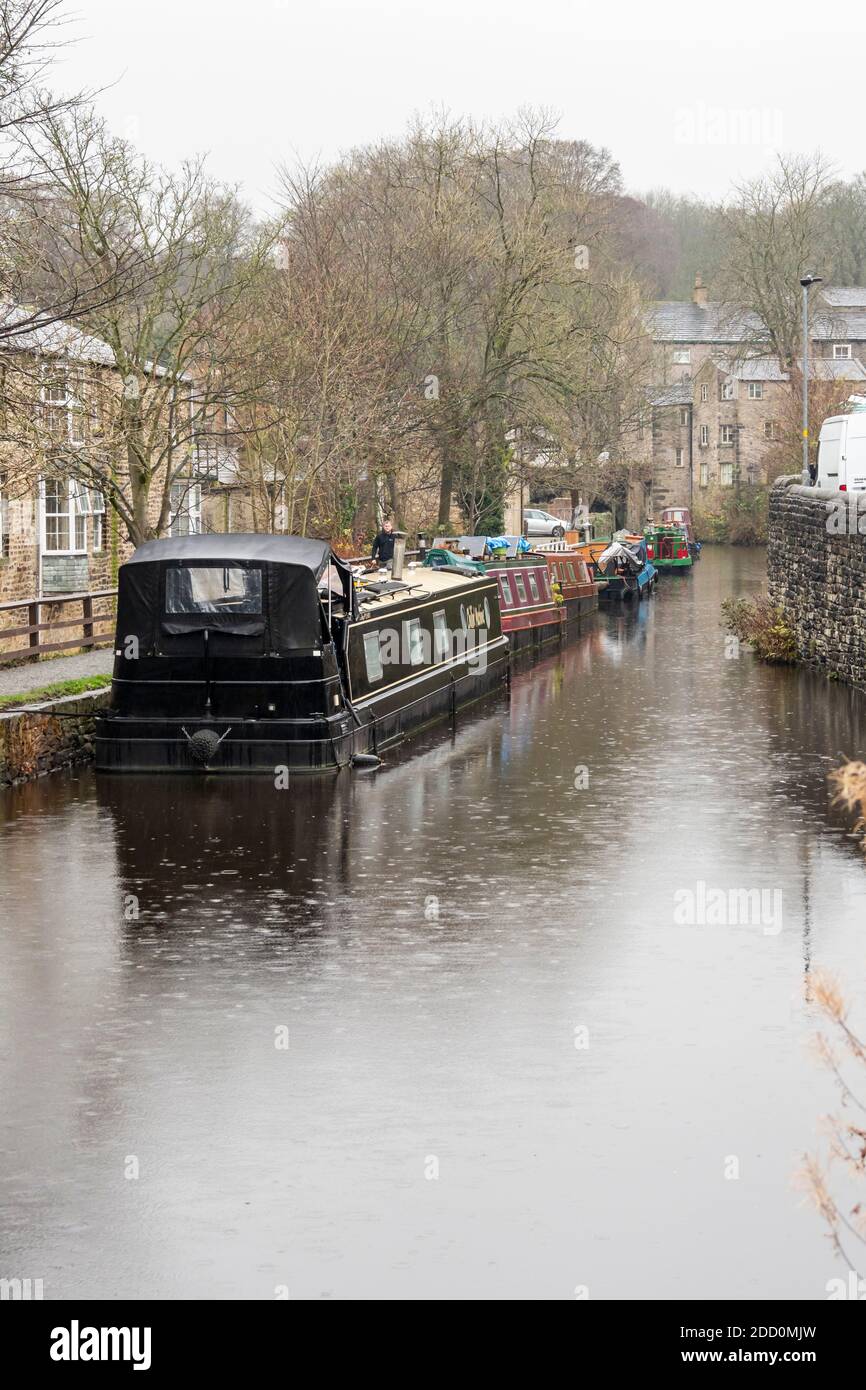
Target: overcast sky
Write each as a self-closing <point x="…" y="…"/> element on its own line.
<point x="688" y="96"/>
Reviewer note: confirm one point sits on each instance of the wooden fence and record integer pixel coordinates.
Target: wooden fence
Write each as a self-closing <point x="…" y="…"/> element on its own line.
<point x="88" y="624"/>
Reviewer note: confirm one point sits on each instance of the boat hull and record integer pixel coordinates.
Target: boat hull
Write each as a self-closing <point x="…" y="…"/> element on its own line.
<point x="314" y="744"/>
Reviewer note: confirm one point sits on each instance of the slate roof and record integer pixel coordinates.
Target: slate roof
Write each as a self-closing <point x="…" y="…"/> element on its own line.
<point x="54" y="339"/>
<point x="680" y="393"/>
<point x="845" y="296"/>
<point x="681" y="321"/>
<point x="768" y="369"/>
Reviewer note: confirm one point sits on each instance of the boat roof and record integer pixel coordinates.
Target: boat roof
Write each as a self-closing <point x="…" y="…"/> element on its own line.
<point x="303" y="551"/>
<point x="414" y="585"/>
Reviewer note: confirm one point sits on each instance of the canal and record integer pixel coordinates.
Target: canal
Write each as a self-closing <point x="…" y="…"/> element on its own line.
<point x="439" y="1030"/>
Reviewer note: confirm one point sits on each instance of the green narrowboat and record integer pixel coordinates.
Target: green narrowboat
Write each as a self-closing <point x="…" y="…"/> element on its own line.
<point x="668" y="547"/>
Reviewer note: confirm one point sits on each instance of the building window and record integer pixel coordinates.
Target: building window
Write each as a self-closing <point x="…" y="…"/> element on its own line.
<point x="756" y="390"/>
<point x="705" y="436"/>
<point x="726" y="474"/>
<point x="62" y="404"/>
<point x="705" y="393"/>
<point x="373" y="656"/>
<point x="771" y="429"/>
<point x="842" y="351"/>
<point x="680" y="458"/>
<point x="684" y="415"/>
<point x="682" y="356"/>
<point x="705" y="474"/>
<point x="98" y="508"/>
<point x="727" y="392"/>
<point x="185" y="509"/>
<point x="726" y="434"/>
<point x="64" y="517"/>
<point x="4" y="519"/>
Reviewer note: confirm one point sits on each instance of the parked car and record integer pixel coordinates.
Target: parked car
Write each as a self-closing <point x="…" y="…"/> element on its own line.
<point x="539" y="523"/>
<point x="842" y="453"/>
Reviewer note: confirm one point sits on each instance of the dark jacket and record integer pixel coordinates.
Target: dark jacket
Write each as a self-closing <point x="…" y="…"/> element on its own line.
<point x="383" y="547"/>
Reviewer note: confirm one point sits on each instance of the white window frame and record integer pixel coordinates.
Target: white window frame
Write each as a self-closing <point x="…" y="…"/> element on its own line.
<point x="188" y="505"/>
<point x="841" y="352"/>
<point x="679" y="458"/>
<point x="705" y="437"/>
<point x="97" y="507"/>
<point x="59" y="379"/>
<point x="726" y="474"/>
<point x="682" y="357"/>
<point x="728" y="390"/>
<point x="727" y="434"/>
<point x="74" y="513"/>
<point x="756" y="390"/>
<point x="684" y="415"/>
<point x="705" y="474"/>
<point x="413" y="640"/>
<point x="441" y="636"/>
<point x="373" y="656"/>
<point x="705" y="392"/>
<point x="4" y="519"/>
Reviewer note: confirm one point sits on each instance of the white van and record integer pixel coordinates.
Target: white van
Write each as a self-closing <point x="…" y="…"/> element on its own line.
<point x="842" y="453"/>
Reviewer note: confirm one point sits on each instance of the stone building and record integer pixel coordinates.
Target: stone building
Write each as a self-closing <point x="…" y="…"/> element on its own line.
<point x="721" y="411"/>
<point x="59" y="391"/>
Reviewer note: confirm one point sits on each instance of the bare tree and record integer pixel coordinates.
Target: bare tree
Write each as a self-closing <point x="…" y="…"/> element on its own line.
<point x="187" y="255"/>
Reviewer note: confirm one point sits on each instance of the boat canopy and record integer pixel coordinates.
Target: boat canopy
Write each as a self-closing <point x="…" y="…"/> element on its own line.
<point x="631" y="559"/>
<point x="270" y="587"/>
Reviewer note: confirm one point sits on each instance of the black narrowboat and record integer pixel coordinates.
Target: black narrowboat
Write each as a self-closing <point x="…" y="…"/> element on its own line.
<point x="256" y="653"/>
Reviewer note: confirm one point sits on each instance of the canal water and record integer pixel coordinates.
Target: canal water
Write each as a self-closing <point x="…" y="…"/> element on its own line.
<point x="441" y="1030"/>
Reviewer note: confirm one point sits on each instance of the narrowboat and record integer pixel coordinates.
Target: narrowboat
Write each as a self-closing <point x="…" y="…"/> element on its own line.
<point x="681" y="516"/>
<point x="259" y="653"/>
<point x="668" y="548"/>
<point x="570" y="572"/>
<point x="531" y="613"/>
<point x="627" y="568"/>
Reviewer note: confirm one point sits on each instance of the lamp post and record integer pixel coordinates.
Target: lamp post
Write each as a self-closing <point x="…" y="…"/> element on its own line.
<point x="806" y="281"/>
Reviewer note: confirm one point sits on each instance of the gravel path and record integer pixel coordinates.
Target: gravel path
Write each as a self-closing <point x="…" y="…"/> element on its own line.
<point x="14" y="679"/>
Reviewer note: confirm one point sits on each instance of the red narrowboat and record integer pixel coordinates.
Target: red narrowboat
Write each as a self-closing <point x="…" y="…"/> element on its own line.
<point x="569" y="570"/>
<point x="530" y="610"/>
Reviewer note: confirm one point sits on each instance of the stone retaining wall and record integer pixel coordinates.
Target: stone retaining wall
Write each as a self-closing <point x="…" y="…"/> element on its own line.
<point x="48" y="736"/>
<point x="816" y="567"/>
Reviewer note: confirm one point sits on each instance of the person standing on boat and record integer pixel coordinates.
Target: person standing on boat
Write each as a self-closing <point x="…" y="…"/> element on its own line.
<point x="383" y="545"/>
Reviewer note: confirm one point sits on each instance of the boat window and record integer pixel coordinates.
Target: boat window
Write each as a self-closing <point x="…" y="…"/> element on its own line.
<point x="570" y="568"/>
<point x="213" y="589"/>
<point x="521" y="588"/>
<point x="505" y="590"/>
<point x="441" y="636"/>
<point x="373" y="656"/>
<point x="533" y="586"/>
<point x="413" y="640"/>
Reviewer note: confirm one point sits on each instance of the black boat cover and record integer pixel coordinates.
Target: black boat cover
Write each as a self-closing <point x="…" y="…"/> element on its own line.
<point x="282" y="607"/>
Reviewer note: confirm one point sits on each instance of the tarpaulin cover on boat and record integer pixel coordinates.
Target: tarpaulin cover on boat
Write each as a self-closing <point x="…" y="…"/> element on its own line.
<point x="243" y="585"/>
<point x="617" y="552"/>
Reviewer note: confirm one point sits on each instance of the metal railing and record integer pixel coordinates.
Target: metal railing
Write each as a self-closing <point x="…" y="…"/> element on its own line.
<point x="86" y="622"/>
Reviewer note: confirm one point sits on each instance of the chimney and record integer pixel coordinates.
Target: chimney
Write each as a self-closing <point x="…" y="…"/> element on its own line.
<point x="700" y="292"/>
<point x="399" y="555"/>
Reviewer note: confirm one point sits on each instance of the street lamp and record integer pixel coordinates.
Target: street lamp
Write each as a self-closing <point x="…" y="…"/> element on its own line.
<point x="806" y="281"/>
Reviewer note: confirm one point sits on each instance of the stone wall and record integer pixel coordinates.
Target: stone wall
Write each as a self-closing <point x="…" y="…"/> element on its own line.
<point x="816" y="566"/>
<point x="58" y="735"/>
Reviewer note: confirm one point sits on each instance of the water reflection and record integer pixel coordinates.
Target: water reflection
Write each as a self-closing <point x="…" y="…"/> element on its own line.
<point x="432" y="935"/>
